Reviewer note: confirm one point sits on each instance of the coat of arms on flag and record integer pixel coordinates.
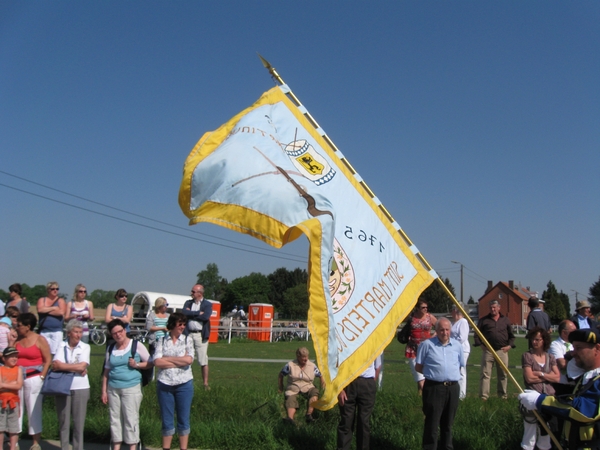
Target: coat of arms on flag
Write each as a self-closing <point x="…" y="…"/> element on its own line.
<point x="271" y="173"/>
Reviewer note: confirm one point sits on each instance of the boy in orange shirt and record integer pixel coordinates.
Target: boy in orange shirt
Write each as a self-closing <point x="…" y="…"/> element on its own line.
<point x="11" y="380"/>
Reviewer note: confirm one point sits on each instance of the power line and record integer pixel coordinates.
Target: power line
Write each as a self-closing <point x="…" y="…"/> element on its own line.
<point x="149" y="226"/>
<point x="277" y="253"/>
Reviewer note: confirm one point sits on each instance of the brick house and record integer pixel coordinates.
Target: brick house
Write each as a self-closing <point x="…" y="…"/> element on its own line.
<point x="512" y="298"/>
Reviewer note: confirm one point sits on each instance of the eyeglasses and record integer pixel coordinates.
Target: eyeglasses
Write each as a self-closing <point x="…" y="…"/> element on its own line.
<point x="181" y="324"/>
<point x="84" y="292"/>
<point x="123" y="296"/>
<point x="114" y="332"/>
<point x="53" y="289"/>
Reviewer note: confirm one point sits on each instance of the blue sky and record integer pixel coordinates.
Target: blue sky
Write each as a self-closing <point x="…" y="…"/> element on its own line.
<point x="475" y="123"/>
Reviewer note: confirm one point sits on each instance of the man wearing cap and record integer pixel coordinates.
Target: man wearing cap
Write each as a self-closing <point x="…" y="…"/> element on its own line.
<point x="440" y="359"/>
<point x="497" y="330"/>
<point x="580" y="409"/>
<point x="582" y="319"/>
<point x="537" y="317"/>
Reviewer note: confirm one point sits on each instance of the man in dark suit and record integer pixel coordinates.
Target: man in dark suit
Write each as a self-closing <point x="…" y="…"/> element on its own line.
<point x="198" y="311"/>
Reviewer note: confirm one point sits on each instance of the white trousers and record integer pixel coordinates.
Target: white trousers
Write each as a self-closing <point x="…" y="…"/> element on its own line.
<point x="31" y="399"/>
<point x="530" y="437"/>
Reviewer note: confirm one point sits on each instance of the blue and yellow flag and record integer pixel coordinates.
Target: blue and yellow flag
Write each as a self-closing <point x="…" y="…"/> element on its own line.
<point x="269" y="172"/>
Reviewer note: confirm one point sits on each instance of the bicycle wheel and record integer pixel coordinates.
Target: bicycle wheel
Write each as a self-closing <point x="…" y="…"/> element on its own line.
<point x="98" y="337"/>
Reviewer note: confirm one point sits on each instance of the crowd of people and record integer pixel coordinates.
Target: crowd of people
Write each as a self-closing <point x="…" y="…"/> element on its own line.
<point x="32" y="348"/>
<point x="562" y="377"/>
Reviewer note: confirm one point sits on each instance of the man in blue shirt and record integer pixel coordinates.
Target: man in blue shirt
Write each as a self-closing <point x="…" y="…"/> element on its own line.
<point x="439" y="359"/>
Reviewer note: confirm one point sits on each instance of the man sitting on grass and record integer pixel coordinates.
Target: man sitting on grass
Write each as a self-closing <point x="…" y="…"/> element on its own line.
<point x="301" y="374"/>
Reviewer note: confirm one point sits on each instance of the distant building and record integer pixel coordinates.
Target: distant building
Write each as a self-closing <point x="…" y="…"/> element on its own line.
<point x="512" y="298"/>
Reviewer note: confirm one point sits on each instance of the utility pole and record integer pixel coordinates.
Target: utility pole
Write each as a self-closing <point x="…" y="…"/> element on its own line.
<point x="461" y="280"/>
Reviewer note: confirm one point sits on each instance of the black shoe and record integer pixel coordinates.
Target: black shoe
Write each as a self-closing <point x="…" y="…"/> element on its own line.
<point x="309" y="418"/>
<point x="289" y="421"/>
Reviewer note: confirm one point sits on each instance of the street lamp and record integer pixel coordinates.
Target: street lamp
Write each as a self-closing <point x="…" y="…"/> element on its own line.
<point x="461" y="279"/>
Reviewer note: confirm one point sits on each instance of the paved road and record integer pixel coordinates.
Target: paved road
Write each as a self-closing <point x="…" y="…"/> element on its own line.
<point x="25" y="444"/>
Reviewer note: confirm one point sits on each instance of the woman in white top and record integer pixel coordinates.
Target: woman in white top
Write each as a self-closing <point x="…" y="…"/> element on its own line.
<point x="460" y="332"/>
<point x="82" y="310"/>
<point x="173" y="357"/>
<point x="73" y="355"/>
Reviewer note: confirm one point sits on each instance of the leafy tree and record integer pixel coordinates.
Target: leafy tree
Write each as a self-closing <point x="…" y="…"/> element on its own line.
<point x="33" y="294"/>
<point x="471" y="300"/>
<point x="102" y="299"/>
<point x="253" y="288"/>
<point x="554" y="305"/>
<point x="595" y="296"/>
<point x="436" y="297"/>
<point x="295" y="302"/>
<point x="4" y="295"/>
<point x="214" y="284"/>
<point x="281" y="280"/>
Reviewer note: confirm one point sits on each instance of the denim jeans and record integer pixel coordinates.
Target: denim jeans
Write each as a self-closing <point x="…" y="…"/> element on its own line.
<point x="173" y="399"/>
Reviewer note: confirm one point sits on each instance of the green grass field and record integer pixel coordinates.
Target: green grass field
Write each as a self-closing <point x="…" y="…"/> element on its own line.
<point x="243" y="410"/>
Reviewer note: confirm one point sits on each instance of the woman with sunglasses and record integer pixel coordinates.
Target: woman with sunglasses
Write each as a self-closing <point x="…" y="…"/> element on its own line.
<point x="156" y="323"/>
<point x="51" y="311"/>
<point x="119" y="310"/>
<point x="35" y="359"/>
<point x="421" y="323"/>
<point x="122" y="385"/>
<point x="82" y="310"/>
<point x="174" y="381"/>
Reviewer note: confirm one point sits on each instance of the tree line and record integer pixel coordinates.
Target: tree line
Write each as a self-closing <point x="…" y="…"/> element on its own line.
<point x="287" y="291"/>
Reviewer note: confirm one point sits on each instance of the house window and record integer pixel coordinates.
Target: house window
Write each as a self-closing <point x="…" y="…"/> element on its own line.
<point x="500" y="296"/>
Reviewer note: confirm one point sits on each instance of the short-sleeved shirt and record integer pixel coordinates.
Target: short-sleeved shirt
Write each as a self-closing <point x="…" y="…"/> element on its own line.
<point x="441" y="362"/>
<point x="182" y="347"/>
<point x="80" y="353"/>
<point x="528" y="360"/>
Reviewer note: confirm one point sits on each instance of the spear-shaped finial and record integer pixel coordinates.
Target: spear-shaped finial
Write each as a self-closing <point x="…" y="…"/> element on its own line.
<point x="271" y="69"/>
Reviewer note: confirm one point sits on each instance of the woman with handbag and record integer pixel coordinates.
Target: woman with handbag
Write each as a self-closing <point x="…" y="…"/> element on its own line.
<point x="35" y="359"/>
<point x="421" y="323"/>
<point x="73" y="355"/>
<point x="539" y="371"/>
<point x="121" y="385"/>
<point x="174" y="381"/>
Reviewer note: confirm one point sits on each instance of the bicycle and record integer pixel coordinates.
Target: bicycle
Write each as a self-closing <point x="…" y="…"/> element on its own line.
<point x="98" y="334"/>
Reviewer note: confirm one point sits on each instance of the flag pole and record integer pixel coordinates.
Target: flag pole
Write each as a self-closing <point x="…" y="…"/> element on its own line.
<point x="277" y="78"/>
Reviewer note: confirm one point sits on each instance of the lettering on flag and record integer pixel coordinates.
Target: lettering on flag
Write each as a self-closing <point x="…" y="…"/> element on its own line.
<point x="268" y="173"/>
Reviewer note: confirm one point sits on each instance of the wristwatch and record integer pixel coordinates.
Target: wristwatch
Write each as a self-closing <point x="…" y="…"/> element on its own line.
<point x="42" y="377"/>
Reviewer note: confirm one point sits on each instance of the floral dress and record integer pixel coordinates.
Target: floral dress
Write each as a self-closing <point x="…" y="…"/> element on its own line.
<point x="420" y="330"/>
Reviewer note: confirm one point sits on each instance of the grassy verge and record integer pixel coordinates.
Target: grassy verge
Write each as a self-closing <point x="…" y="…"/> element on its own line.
<point x="244" y="411"/>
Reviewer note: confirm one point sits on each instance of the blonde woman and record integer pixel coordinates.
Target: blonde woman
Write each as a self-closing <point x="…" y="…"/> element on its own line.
<point x="82" y="310"/>
<point x="156" y="323"/>
<point x="51" y="311"/>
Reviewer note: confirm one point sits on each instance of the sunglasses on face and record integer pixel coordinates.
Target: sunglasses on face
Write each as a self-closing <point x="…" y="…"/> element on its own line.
<point x="53" y="289"/>
<point x="82" y="292"/>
